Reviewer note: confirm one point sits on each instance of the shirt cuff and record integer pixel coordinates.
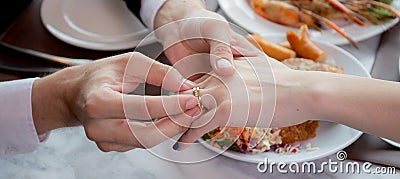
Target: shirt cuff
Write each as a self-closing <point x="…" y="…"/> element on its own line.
<point x="17" y="130"/>
<point x="149" y="10"/>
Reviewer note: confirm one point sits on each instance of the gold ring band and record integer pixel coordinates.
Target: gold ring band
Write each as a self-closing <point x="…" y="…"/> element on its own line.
<point x="196" y="93"/>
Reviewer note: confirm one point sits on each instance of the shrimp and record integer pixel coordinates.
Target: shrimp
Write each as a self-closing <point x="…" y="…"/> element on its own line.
<point x="338" y="5"/>
<point x="333" y="26"/>
<point x="293" y="15"/>
<point x="281" y="13"/>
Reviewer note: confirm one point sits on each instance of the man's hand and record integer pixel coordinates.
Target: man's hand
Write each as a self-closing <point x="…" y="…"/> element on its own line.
<point x="186" y="28"/>
<point x="95" y="95"/>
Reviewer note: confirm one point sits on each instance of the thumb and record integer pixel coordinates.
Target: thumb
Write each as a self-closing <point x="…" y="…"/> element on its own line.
<point x="221" y="58"/>
<point x="219" y="38"/>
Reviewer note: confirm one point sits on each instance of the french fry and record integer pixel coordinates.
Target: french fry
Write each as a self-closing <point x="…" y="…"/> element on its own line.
<point x="271" y="49"/>
<point x="304" y="47"/>
<point x="285" y="44"/>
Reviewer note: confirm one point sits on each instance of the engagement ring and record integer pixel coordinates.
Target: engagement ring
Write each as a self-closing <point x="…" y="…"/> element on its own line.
<point x="196" y="93"/>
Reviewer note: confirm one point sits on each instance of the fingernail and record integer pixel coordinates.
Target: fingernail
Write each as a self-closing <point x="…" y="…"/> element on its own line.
<point x="196" y="114"/>
<point x="176" y="146"/>
<point x="189" y="83"/>
<point x="191" y="104"/>
<point x="223" y="63"/>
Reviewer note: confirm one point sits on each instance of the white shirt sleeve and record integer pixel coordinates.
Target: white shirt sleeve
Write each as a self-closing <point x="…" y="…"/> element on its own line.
<point x="17" y="130"/>
<point x="149" y="10"/>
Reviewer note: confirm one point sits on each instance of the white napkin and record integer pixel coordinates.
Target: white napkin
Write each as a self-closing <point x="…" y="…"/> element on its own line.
<point x="373" y="149"/>
<point x="386" y="64"/>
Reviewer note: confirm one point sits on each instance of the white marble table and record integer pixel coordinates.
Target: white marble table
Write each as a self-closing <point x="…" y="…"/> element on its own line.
<point x="68" y="154"/>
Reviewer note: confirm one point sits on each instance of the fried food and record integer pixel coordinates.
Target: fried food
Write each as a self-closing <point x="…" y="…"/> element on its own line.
<point x="309" y="65"/>
<point x="271" y="49"/>
<point x="304" y="47"/>
<point x="297" y="44"/>
<point x="300" y="132"/>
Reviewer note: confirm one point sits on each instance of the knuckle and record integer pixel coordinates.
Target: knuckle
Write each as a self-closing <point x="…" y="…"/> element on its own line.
<point x="162" y="71"/>
<point x="139" y="56"/>
<point x="144" y="142"/>
<point x="126" y="57"/>
<point x="225" y="108"/>
<point x="123" y="58"/>
<point x="222" y="49"/>
<point x="182" y="128"/>
<point x="138" y="140"/>
<point x="89" y="133"/>
<point x="103" y="148"/>
<point x="217" y="20"/>
<point x="162" y="68"/>
<point x="139" y="144"/>
<point x="91" y="108"/>
<point x="135" y="54"/>
<point x="148" y="109"/>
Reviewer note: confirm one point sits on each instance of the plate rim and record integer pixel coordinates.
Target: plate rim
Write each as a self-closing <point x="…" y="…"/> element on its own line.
<point x="391" y="142"/>
<point x="339" y="147"/>
<point x="89" y="44"/>
<point x="238" y="156"/>
<point x="337" y="41"/>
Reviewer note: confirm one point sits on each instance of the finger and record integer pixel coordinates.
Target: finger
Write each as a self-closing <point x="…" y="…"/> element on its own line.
<point x="221" y="58"/>
<point x="186" y="120"/>
<point x="193" y="65"/>
<point x="108" y="147"/>
<point x="145" y="69"/>
<point x="193" y="134"/>
<point x="115" y="131"/>
<point x="241" y="47"/>
<point x="220" y="38"/>
<point x="208" y="111"/>
<point x="160" y="131"/>
<point x="120" y="132"/>
<point x="122" y="106"/>
<point x="150" y="107"/>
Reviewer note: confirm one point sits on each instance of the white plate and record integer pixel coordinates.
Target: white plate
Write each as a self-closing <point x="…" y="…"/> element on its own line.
<point x="396" y="144"/>
<point x="94" y="24"/>
<point x="331" y="137"/>
<point x="242" y="14"/>
<point x="212" y="5"/>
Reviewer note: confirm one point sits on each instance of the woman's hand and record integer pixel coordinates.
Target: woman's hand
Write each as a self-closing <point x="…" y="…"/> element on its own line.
<point x="265" y="93"/>
<point x="95" y="96"/>
<point x="262" y="93"/>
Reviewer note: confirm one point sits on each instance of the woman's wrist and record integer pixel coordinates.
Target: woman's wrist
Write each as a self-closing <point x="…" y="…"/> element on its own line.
<point x="311" y="94"/>
<point x="298" y="96"/>
<point x="174" y="10"/>
<point x="320" y="94"/>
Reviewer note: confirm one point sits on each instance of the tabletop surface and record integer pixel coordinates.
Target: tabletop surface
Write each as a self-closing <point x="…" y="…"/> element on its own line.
<point x="69" y="154"/>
